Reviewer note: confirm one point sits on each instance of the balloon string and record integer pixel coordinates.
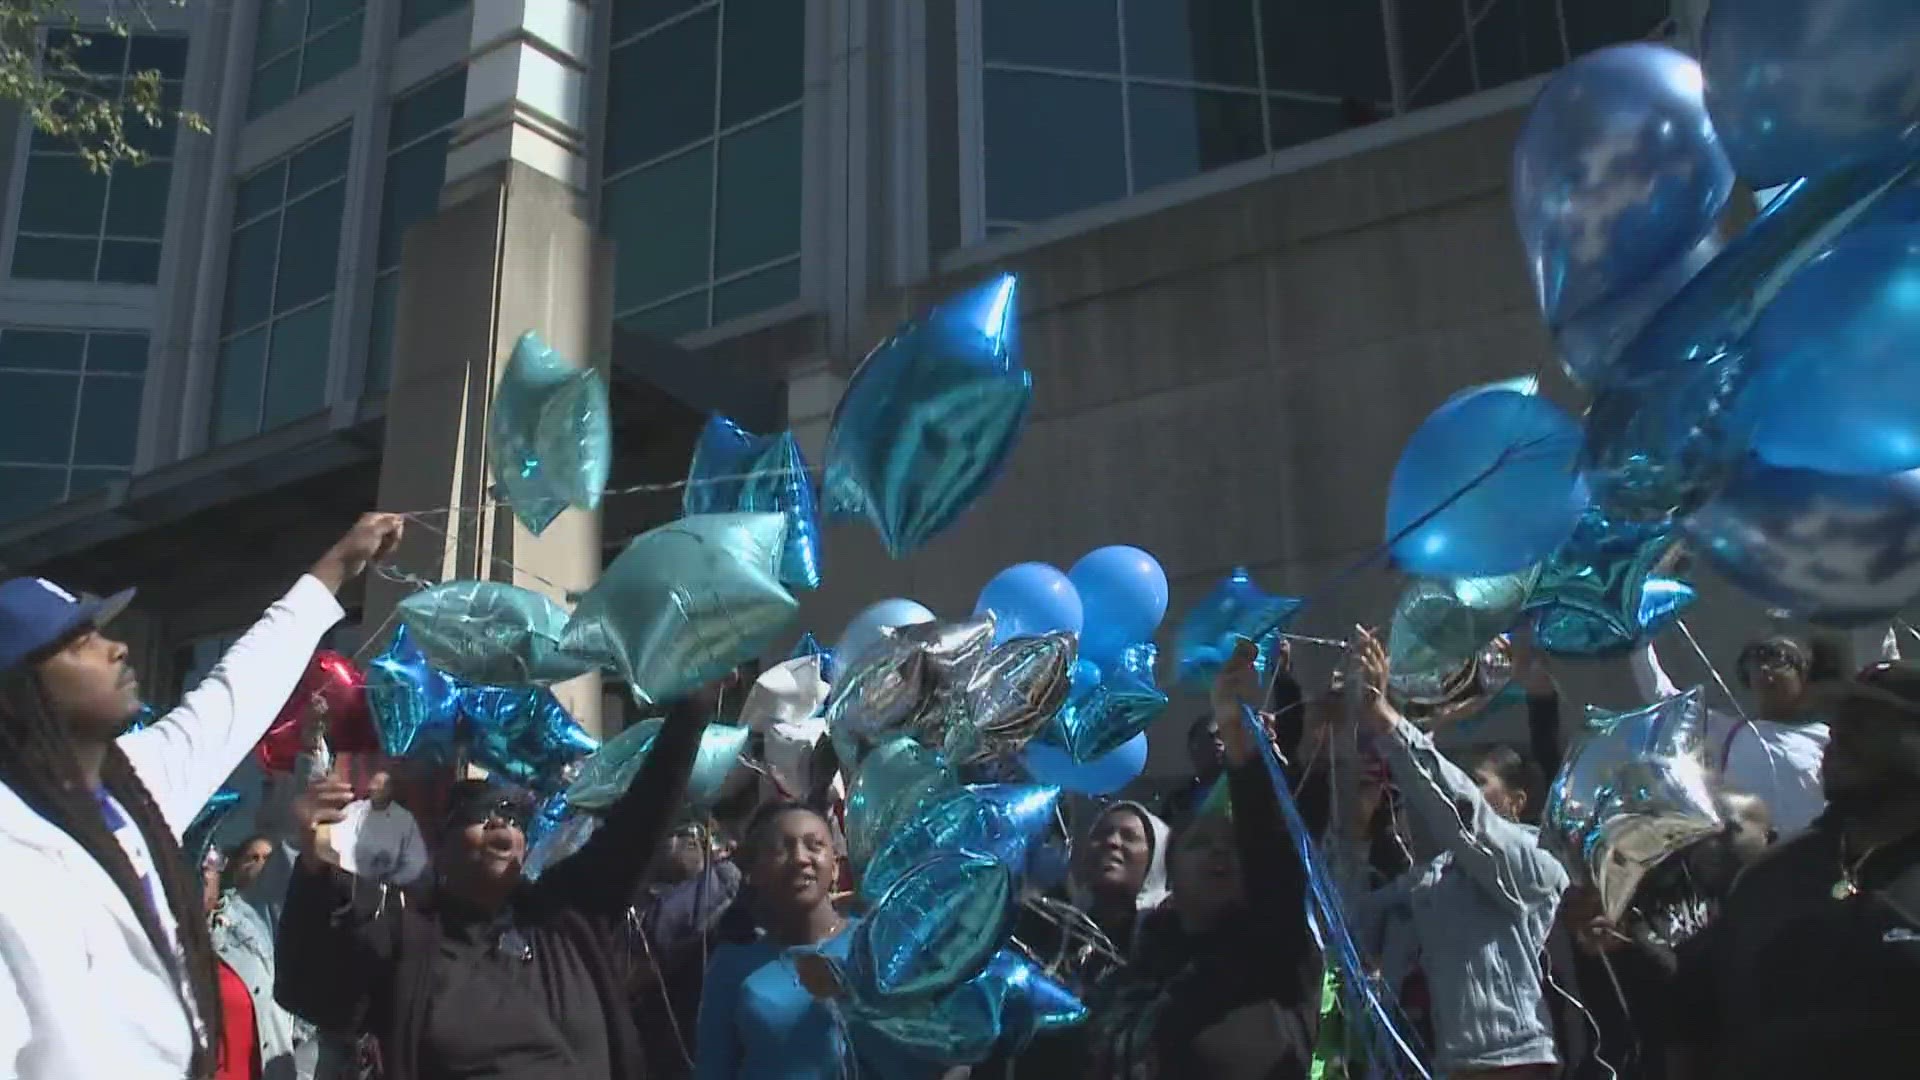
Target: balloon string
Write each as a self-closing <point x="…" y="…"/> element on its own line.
<point x="1715" y="672"/>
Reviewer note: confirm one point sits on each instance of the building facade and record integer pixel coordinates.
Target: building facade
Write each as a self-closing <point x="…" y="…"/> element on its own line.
<point x="1259" y="240"/>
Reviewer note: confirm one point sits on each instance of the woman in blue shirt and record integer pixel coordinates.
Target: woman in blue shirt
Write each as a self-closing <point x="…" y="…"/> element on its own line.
<point x="756" y="1020"/>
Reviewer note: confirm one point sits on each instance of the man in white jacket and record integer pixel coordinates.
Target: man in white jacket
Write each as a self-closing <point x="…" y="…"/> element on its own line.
<point x="378" y="839"/>
<point x="105" y="964"/>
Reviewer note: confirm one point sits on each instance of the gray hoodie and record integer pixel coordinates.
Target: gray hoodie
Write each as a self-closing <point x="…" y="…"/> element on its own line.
<point x="1474" y="916"/>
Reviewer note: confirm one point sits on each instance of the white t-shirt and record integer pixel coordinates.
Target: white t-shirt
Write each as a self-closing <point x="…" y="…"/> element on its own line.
<point x="380" y="845"/>
<point x="1779" y="763"/>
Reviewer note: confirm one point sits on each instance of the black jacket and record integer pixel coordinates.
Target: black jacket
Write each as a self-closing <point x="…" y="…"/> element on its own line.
<point x="353" y="957"/>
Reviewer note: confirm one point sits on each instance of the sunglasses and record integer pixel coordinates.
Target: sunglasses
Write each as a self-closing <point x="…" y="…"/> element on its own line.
<point x="501" y="813"/>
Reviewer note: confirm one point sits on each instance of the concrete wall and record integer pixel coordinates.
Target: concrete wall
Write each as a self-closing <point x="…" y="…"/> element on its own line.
<point x="1230" y="382"/>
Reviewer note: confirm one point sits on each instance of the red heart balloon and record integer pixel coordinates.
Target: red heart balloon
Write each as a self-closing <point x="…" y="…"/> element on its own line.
<point x="333" y="686"/>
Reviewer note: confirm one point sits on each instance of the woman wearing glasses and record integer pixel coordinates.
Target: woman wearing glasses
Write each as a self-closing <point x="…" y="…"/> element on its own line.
<point x="485" y="973"/>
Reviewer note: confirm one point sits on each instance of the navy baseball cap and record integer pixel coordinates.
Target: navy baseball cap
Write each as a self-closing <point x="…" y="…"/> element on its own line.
<point x="36" y="614"/>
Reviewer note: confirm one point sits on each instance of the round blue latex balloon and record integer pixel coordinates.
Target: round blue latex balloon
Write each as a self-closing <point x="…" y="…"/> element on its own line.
<point x="1485" y="486"/>
<point x="1123" y="592"/>
<point x="1030" y="598"/>
<point x="1836" y="355"/>
<point x="1102" y="776"/>
<point x="863" y="633"/>
<point x="1835" y="550"/>
<point x="929" y="418"/>
<point x="1617" y="176"/>
<point x="1797" y="87"/>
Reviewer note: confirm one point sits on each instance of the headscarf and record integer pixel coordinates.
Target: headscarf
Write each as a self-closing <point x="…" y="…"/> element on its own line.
<point x="1153" y="888"/>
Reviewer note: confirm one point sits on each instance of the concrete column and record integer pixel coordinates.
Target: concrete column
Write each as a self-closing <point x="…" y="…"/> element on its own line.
<point x="511" y="250"/>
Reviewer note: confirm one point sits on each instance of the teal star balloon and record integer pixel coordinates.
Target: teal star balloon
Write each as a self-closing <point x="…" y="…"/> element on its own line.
<point x="686" y="603"/>
<point x="1599" y="595"/>
<point x="606" y="775"/>
<point x="550" y="442"/>
<point x="491" y="633"/>
<point x="1212" y="629"/>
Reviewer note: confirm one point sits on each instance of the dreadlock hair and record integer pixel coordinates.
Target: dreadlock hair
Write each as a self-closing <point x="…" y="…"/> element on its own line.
<point x="39" y="762"/>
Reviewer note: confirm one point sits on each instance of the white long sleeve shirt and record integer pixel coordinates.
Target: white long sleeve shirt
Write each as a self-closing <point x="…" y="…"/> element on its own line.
<point x="1780" y="763"/>
<point x="380" y="844"/>
<point x="83" y="993"/>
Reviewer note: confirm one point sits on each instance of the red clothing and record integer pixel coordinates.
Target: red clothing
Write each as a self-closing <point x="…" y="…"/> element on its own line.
<point x="239" y="1044"/>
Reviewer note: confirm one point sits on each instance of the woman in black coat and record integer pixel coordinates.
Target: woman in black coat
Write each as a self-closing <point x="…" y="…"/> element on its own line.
<point x="486" y="974"/>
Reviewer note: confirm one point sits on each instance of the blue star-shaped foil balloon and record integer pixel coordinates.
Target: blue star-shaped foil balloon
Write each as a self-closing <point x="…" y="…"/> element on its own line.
<point x="734" y="470"/>
<point x="1001" y="820"/>
<point x="414" y="706"/>
<point x="930" y="418"/>
<point x="1213" y="628"/>
<point x="606" y="775"/>
<point x="1124" y="702"/>
<point x="936" y="926"/>
<point x="1599" y="596"/>
<point x="809" y="645"/>
<point x="522" y="734"/>
<point x="1005" y="1005"/>
<point x="492" y="633"/>
<point x="1636" y="789"/>
<point x="686" y="603"/>
<point x="550" y="443"/>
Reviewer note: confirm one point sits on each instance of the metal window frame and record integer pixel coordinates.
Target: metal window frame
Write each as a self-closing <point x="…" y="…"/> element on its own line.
<point x="80" y="377"/>
<point x="308" y="34"/>
<point x="714" y="138"/>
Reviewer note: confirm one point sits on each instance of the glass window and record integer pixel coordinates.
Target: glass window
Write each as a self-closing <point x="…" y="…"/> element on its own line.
<point x="299" y="44"/>
<point x="702" y="165"/>
<point x="1054" y="144"/>
<point x="69" y="413"/>
<point x="418" y="129"/>
<point x="79" y="225"/>
<point x="281" y="269"/>
<point x="1087" y="101"/>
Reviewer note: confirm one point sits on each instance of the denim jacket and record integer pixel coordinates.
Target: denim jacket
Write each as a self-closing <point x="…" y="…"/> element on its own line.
<point x="1474" y="917"/>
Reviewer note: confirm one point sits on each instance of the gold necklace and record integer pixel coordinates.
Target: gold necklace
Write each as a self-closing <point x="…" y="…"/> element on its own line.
<point x="1848" y="886"/>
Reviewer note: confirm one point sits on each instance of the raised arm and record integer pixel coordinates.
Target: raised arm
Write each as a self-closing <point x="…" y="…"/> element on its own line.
<point x="334" y="951"/>
<point x="185" y="756"/>
<point x="1501" y="856"/>
<point x="601" y="879"/>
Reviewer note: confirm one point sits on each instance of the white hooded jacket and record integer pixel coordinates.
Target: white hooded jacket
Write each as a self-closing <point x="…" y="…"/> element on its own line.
<point x="83" y="993"/>
<point x="1153" y="888"/>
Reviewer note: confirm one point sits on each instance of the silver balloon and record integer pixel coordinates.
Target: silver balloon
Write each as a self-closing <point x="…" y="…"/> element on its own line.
<point x="1441" y="626"/>
<point x="895" y="686"/>
<point x="1834" y="550"/>
<point x="1008" y="697"/>
<point x="1634" y="790"/>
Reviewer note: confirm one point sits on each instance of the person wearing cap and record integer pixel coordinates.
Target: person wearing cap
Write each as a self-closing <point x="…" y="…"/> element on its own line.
<point x="1775" y="754"/>
<point x="482" y="973"/>
<point x="106" y="968"/>
<point x="1813" y="966"/>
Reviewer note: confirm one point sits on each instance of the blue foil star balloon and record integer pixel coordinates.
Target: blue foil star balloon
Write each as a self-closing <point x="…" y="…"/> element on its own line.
<point x="197" y="840"/>
<point x="606" y="775"/>
<point x="550" y="442"/>
<point x="734" y="470"/>
<point x="522" y="734"/>
<point x="935" y="927"/>
<point x="1106" y="715"/>
<point x="1212" y="628"/>
<point x="808" y="645"/>
<point x="1675" y="415"/>
<point x="1600" y="596"/>
<point x="413" y="705"/>
<point x="930" y="418"/>
<point x="895" y="782"/>
<point x="686" y="603"/>
<point x="491" y="632"/>
<point x="1003" y="1006"/>
<point x="1635" y="790"/>
<point x="1000" y="820"/>
<point x="558" y="841"/>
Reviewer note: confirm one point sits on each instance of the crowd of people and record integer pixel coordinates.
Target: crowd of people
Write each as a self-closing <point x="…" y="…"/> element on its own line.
<point x="353" y="939"/>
